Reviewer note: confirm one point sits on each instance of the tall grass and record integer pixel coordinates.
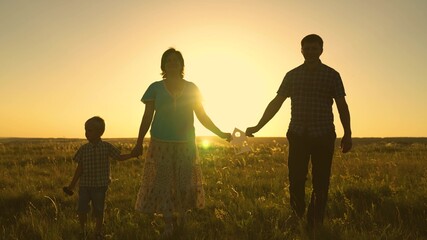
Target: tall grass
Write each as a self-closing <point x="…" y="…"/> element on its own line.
<point x="378" y="191"/>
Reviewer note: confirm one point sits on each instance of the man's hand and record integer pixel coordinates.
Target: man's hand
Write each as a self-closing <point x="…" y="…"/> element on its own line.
<point x="251" y="130"/>
<point x="346" y="143"/>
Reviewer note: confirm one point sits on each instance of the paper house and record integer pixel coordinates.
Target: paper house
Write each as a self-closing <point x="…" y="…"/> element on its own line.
<point x="240" y="141"/>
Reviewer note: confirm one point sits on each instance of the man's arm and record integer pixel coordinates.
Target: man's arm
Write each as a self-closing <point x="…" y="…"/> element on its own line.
<point x="272" y="108"/>
<point x="346" y="142"/>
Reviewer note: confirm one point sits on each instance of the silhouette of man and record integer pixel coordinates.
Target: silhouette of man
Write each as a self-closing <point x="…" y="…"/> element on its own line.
<point x="312" y="87"/>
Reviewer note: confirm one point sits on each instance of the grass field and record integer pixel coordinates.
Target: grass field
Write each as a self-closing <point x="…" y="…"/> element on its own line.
<point x="378" y="191"/>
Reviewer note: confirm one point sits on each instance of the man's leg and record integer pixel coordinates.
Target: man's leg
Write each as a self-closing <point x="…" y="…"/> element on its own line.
<point x="298" y="167"/>
<point x="321" y="159"/>
<point x="82" y="219"/>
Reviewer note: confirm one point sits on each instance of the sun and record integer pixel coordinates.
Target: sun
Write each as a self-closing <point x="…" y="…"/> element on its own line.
<point x="206" y="144"/>
<point x="228" y="88"/>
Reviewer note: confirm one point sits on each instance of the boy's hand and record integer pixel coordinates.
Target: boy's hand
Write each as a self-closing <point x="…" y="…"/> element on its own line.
<point x="67" y="190"/>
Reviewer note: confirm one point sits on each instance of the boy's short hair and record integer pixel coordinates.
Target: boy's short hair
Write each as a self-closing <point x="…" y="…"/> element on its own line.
<point x="99" y="123"/>
<point x="312" y="38"/>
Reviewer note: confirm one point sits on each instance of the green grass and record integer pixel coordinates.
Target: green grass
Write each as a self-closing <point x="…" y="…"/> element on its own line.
<point x="378" y="191"/>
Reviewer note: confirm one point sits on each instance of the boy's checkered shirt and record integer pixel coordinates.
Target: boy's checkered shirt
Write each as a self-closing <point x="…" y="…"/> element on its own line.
<point x="95" y="162"/>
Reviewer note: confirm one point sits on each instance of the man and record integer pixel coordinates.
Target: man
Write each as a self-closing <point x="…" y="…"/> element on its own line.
<point x="312" y="87"/>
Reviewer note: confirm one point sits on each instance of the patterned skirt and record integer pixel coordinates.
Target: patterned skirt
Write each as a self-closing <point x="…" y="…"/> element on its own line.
<point x="171" y="180"/>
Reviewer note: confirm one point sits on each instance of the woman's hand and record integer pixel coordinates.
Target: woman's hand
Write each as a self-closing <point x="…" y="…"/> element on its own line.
<point x="137" y="150"/>
<point x="226" y="136"/>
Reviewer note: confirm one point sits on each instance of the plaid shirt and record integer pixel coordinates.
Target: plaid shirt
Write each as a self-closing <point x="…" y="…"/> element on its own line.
<point x="95" y="163"/>
<point x="312" y="93"/>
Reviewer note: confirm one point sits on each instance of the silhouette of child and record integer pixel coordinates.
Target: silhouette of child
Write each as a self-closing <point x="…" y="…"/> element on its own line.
<point x="93" y="174"/>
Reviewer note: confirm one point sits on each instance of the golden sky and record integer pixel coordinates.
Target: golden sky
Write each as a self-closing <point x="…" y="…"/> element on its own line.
<point x="62" y="62"/>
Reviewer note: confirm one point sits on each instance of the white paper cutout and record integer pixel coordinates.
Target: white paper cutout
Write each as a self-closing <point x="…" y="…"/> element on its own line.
<point x="240" y="141"/>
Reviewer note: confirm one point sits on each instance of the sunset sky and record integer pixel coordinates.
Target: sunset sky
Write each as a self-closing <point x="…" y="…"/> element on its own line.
<point x="62" y="62"/>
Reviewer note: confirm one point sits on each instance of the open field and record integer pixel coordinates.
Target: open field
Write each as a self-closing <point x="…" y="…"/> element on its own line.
<point x="378" y="191"/>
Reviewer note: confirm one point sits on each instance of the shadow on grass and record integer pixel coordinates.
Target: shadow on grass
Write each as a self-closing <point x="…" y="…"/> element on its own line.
<point x="13" y="204"/>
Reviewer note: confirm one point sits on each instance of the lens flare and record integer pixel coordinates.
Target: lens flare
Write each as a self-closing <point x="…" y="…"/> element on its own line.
<point x="205" y="144"/>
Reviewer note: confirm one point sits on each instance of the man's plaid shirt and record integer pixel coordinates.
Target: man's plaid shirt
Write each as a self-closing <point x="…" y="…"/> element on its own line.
<point x="95" y="162"/>
<point x="312" y="93"/>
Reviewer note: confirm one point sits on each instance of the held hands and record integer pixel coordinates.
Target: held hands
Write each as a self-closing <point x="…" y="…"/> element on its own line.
<point x="137" y="150"/>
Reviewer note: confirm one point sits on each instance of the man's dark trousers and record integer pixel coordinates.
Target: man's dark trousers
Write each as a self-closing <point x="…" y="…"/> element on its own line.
<point x="320" y="150"/>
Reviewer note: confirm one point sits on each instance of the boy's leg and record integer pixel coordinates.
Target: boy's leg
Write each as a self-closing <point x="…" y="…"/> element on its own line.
<point x="83" y="207"/>
<point x="99" y="220"/>
<point x="98" y="203"/>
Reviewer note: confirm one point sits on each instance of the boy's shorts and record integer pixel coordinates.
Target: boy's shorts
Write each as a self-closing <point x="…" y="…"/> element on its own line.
<point x="96" y="195"/>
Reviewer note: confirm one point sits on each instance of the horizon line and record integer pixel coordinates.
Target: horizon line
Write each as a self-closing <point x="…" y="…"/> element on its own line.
<point x="203" y="136"/>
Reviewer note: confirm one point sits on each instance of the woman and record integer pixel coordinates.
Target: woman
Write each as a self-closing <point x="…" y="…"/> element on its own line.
<point x="172" y="178"/>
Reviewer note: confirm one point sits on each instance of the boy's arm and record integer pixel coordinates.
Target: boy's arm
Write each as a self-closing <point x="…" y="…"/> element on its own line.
<point x="123" y="157"/>
<point x="76" y="177"/>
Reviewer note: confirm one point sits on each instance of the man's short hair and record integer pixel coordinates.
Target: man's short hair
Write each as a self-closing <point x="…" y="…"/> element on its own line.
<point x="312" y="38"/>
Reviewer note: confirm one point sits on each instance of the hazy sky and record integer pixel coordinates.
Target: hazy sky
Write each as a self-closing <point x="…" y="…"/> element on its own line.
<point x="62" y="62"/>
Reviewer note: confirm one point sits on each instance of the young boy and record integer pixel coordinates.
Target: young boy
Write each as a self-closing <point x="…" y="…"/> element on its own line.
<point x="93" y="174"/>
